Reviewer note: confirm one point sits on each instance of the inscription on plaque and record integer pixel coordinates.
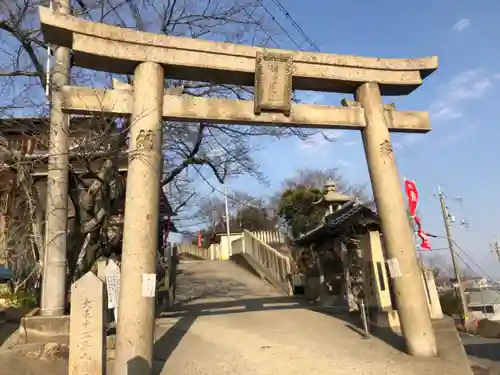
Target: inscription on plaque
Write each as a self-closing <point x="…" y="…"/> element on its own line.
<point x="86" y="342"/>
<point x="273" y="83"/>
<point x="112" y="273"/>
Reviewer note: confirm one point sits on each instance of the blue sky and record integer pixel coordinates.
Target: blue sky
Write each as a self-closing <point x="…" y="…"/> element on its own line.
<point x="461" y="96"/>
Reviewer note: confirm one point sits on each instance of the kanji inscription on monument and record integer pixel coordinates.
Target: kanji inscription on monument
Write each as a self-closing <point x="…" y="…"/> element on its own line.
<point x="87" y="345"/>
<point x="273" y="83"/>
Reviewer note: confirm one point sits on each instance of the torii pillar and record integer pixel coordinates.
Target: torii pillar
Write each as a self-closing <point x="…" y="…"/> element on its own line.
<point x="135" y="328"/>
<point x="411" y="301"/>
<point x="276" y="74"/>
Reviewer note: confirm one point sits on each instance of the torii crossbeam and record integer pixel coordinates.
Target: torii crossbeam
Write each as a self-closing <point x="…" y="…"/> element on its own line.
<point x="275" y="74"/>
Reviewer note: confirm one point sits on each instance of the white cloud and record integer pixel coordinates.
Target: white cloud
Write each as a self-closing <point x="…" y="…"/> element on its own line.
<point x="349" y="143"/>
<point x="447" y="113"/>
<point x="469" y="85"/>
<point x="461" y="25"/>
<point x="320" y="142"/>
<point x="342" y="163"/>
<point x="406" y="140"/>
<point x="457" y="135"/>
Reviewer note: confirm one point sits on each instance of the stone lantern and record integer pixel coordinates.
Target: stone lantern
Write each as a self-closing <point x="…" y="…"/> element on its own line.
<point x="332" y="198"/>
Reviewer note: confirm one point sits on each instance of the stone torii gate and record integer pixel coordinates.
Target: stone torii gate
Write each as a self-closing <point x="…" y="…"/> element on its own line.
<point x="274" y="74"/>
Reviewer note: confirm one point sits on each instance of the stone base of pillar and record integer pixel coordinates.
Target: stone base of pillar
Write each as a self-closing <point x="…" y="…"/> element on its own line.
<point x="390" y="319"/>
<point x="44" y="329"/>
<point x="386" y="319"/>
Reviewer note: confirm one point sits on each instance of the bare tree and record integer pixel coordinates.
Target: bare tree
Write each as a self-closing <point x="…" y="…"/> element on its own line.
<point x="316" y="178"/>
<point x="192" y="151"/>
<point x="245" y="212"/>
<point x="21" y="197"/>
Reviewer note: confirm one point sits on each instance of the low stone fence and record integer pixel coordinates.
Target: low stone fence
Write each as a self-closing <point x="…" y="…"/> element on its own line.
<point x="276" y="266"/>
<point x="191" y="249"/>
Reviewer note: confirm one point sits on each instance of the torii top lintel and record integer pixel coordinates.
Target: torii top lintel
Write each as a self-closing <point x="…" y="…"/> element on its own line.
<point x="119" y="50"/>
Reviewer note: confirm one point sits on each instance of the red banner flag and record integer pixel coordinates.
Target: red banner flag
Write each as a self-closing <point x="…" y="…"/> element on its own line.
<point x="425" y="244"/>
<point x="200" y="240"/>
<point x="412" y="196"/>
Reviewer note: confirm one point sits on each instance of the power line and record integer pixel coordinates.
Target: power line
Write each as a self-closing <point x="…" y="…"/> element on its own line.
<point x="485" y="274"/>
<point x="296" y="25"/>
<point x="472" y="260"/>
<point x="465" y="253"/>
<point x="260" y="26"/>
<point x="279" y="24"/>
<point x="467" y="265"/>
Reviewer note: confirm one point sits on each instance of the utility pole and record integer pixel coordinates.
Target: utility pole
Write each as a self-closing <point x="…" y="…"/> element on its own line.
<point x="53" y="301"/>
<point x="447" y="226"/>
<point x="228" y="224"/>
<point x="214" y="220"/>
<point x="495" y="247"/>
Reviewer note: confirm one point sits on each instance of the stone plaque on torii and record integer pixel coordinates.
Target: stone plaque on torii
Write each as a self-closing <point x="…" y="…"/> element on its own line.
<point x="274" y="74"/>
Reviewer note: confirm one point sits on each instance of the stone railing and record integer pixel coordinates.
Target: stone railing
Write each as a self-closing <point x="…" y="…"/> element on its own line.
<point x="275" y="266"/>
<point x="270" y="237"/>
<point x="192" y="249"/>
<point x="262" y="259"/>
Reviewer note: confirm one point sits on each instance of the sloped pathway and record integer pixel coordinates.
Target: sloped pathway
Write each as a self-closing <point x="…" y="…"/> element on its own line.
<point x="230" y="322"/>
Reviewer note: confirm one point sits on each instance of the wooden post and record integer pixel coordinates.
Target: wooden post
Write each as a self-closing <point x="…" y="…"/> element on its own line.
<point x="136" y="315"/>
<point x="411" y="302"/>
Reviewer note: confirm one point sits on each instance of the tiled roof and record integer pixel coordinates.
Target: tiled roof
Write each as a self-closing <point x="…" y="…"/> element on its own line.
<point x="334" y="224"/>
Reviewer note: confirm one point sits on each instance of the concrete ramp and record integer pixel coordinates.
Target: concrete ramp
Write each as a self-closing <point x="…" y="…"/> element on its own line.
<point x="232" y="322"/>
<point x="251" y="265"/>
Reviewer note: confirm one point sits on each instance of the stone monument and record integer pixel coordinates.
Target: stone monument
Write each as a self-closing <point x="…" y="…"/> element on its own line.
<point x="87" y="348"/>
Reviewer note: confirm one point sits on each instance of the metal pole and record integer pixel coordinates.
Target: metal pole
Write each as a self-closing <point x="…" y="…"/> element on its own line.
<point x="456" y="268"/>
<point x="364" y="319"/>
<point x="228" y="224"/>
<point x="495" y="247"/>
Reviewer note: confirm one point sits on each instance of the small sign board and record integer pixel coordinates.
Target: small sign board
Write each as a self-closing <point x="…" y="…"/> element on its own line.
<point x="149" y="285"/>
<point x="394" y="268"/>
<point x="112" y="274"/>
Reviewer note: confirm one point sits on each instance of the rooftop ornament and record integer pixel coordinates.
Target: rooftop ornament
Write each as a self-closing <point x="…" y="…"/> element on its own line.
<point x="334" y="199"/>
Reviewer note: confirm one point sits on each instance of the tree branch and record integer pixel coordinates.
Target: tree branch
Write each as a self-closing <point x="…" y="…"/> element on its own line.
<point x="18" y="73"/>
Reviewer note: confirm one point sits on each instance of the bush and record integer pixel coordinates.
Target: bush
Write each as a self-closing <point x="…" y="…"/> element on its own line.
<point x="21" y="300"/>
<point x="450" y="304"/>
